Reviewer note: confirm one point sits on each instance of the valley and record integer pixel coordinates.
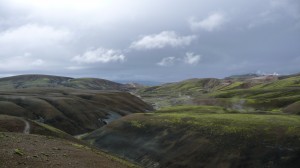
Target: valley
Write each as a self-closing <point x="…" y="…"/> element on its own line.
<point x="239" y="121"/>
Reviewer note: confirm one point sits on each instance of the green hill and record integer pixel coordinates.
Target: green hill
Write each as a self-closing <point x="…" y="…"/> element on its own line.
<point x="203" y="136"/>
<point x="246" y="92"/>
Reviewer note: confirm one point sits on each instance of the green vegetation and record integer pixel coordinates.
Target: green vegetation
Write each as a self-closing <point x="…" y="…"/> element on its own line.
<point x="213" y="134"/>
<point x="19" y="152"/>
<point x="193" y="109"/>
<point x="241" y="93"/>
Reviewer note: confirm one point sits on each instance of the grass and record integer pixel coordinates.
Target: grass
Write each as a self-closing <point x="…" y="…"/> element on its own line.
<point x="219" y="120"/>
<point x="234" y="123"/>
<point x="19" y="152"/>
<point x="232" y="86"/>
<point x="193" y="109"/>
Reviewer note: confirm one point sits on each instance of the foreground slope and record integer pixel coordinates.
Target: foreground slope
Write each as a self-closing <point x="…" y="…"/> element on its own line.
<point x="203" y="136"/>
<point x="21" y="150"/>
<point x="26" y="143"/>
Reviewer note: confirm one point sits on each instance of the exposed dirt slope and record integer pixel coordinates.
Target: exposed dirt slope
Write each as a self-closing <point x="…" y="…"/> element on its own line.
<point x="23" y="150"/>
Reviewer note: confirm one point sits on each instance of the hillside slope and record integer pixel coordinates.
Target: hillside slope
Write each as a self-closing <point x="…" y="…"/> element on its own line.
<point x="71" y="110"/>
<point x="243" y="92"/>
<point x="203" y="136"/>
<point x="21" y="150"/>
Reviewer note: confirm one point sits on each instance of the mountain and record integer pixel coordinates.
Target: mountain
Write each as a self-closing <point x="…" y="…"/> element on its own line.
<point x="31" y="81"/>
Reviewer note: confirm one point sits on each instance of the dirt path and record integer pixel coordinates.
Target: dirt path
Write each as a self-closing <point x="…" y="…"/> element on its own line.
<point x="27" y="127"/>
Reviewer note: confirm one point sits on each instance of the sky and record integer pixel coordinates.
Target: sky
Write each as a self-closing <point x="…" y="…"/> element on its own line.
<point x="149" y="40"/>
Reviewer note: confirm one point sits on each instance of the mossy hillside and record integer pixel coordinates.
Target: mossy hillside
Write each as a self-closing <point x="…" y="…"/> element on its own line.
<point x="181" y="88"/>
<point x="283" y="83"/>
<point x="190" y="137"/>
<point x="262" y="99"/>
<point x="193" y="109"/>
<point x="257" y="94"/>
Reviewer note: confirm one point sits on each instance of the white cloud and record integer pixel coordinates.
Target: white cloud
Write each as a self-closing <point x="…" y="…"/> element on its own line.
<point x="37" y="62"/>
<point x="21" y="63"/>
<point x="191" y="58"/>
<point x="33" y="36"/>
<point x="167" y="61"/>
<point x="162" y="40"/>
<point x="20" y="46"/>
<point x="211" y="23"/>
<point x="101" y="55"/>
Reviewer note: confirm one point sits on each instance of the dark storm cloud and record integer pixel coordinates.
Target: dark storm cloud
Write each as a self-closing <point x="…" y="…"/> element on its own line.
<point x="149" y="40"/>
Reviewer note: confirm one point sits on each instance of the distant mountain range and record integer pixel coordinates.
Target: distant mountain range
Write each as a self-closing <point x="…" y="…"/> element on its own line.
<point x="30" y="81"/>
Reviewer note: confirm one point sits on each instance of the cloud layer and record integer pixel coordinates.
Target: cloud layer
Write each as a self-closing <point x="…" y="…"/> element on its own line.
<point x="149" y="40"/>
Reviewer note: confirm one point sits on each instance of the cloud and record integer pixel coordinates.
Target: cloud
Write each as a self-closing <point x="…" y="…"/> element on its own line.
<point x="75" y="68"/>
<point x="100" y="55"/>
<point x="167" y="61"/>
<point x="34" y="35"/>
<point x="21" y="63"/>
<point x="37" y="62"/>
<point x="211" y="23"/>
<point x="162" y="40"/>
<point x="277" y="10"/>
<point x="290" y="7"/>
<point x="29" y="46"/>
<point x="191" y="58"/>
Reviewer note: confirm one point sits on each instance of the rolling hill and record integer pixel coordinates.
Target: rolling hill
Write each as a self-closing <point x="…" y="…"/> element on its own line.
<point x="75" y="106"/>
<point x="248" y="92"/>
<point x="203" y="136"/>
<point x="71" y="110"/>
<point x="32" y="81"/>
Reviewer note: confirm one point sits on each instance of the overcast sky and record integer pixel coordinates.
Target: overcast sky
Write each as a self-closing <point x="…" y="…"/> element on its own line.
<point x="154" y="40"/>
